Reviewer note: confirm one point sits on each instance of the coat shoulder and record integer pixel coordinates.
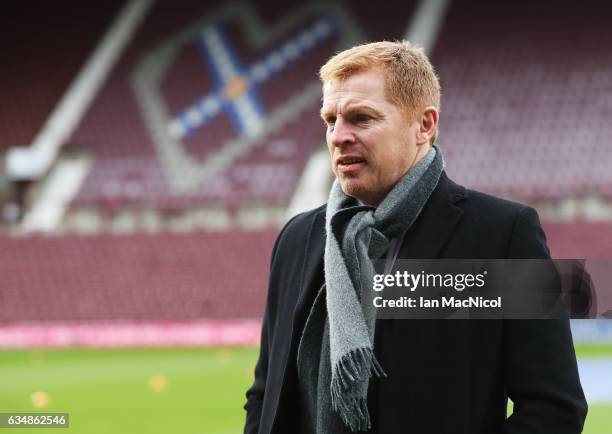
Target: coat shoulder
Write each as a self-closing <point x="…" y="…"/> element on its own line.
<point x="493" y="204"/>
<point x="483" y="208"/>
<point x="494" y="227"/>
<point x="299" y="225"/>
<point x="298" y="230"/>
<point x="473" y="200"/>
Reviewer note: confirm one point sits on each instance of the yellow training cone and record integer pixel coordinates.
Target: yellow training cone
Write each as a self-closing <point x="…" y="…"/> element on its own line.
<point x="158" y="383"/>
<point x="40" y="399"/>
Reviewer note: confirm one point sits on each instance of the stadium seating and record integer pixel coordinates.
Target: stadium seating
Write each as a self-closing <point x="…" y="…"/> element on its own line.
<point x="173" y="276"/>
<point x="43" y="48"/>
<point x="128" y="169"/>
<point x="134" y="166"/>
<point x="525" y="109"/>
<point x="525" y="113"/>
<point x="577" y="240"/>
<point x="161" y="277"/>
<point x="526" y="104"/>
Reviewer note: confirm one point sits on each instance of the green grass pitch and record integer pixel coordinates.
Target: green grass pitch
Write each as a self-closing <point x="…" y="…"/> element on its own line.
<point x="132" y="391"/>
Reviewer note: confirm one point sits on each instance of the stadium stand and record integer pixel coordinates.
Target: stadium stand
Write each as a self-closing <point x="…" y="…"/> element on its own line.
<point x="43" y="48"/>
<point x="128" y="169"/>
<point x="193" y="275"/>
<point x="529" y="116"/>
<point x="189" y="160"/>
<point x="579" y="239"/>
<point x="165" y="277"/>
<point x="525" y="115"/>
<point x="526" y="107"/>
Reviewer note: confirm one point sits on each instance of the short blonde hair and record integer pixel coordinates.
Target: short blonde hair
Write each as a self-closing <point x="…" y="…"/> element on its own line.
<point x="410" y="79"/>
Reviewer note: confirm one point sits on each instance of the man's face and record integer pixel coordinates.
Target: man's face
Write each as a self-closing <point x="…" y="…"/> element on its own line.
<point x="372" y="142"/>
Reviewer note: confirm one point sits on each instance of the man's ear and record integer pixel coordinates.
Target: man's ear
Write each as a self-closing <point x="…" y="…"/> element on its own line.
<point x="428" y="123"/>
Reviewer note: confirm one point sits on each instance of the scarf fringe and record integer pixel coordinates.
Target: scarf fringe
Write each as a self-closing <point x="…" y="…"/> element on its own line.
<point x="350" y="371"/>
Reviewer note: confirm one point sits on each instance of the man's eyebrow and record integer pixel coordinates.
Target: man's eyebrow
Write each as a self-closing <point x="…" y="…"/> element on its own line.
<point x="350" y="108"/>
<point x="363" y="108"/>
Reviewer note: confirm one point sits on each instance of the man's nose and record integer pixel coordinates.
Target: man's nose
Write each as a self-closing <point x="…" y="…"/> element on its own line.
<point x="342" y="134"/>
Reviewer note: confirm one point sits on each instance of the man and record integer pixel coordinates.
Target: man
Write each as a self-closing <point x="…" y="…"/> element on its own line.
<point x="327" y="365"/>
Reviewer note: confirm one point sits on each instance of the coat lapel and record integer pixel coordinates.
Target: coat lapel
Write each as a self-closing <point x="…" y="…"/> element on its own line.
<point x="427" y="236"/>
<point x="312" y="277"/>
<point x="311" y="281"/>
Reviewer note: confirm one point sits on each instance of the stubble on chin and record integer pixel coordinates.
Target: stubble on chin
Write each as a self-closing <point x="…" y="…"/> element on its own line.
<point x="353" y="189"/>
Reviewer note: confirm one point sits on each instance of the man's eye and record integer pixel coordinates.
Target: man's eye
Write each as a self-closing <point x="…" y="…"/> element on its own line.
<point x="330" y="121"/>
<point x="360" y="118"/>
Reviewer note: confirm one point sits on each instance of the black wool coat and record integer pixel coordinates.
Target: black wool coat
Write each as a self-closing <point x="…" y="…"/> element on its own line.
<point x="444" y="376"/>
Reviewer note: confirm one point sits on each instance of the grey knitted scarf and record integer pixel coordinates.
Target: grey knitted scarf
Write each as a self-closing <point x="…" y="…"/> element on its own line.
<point x="336" y="355"/>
